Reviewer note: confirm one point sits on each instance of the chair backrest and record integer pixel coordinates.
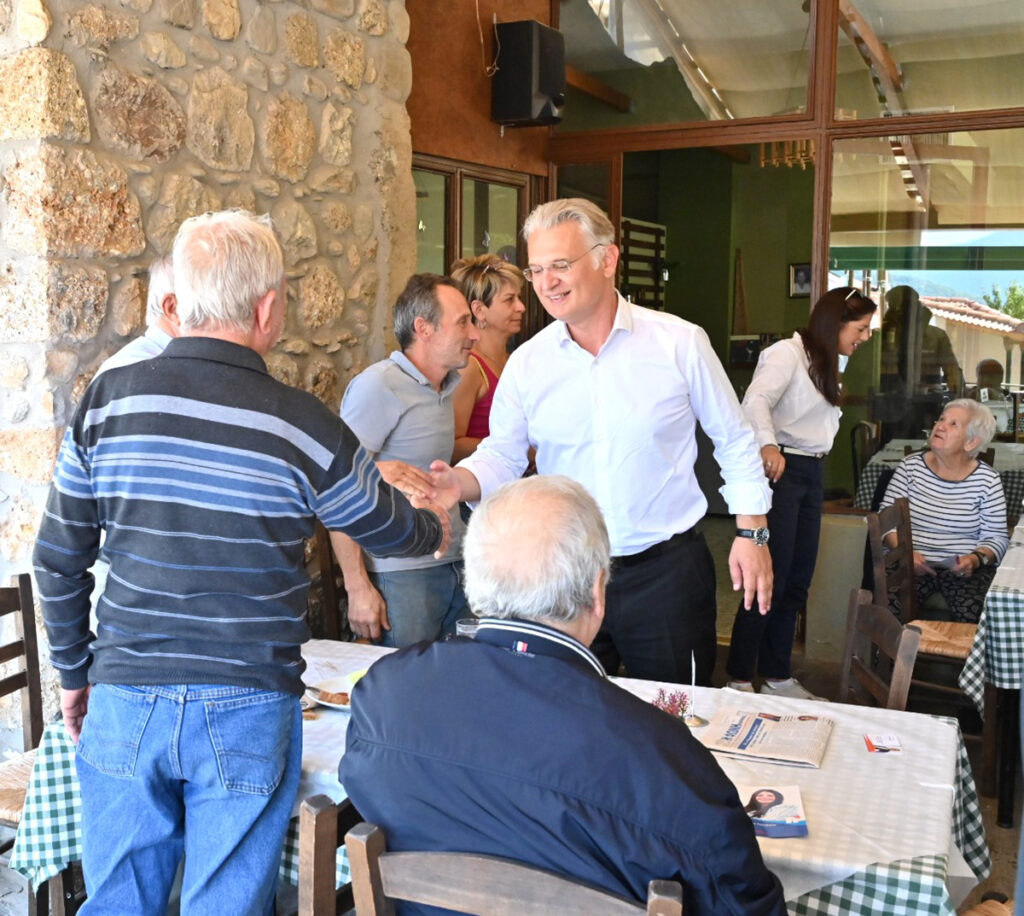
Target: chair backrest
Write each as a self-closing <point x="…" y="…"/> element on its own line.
<point x="863" y="444"/>
<point x="331" y="611"/>
<point x="884" y="676"/>
<point x="321" y="823"/>
<point x="17" y="601"/>
<point x="893" y="570"/>
<point x="483" y="885"/>
<point x="988" y="456"/>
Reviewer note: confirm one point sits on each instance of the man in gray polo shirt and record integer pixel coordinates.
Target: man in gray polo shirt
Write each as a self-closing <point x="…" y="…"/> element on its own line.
<point x="401" y="410"/>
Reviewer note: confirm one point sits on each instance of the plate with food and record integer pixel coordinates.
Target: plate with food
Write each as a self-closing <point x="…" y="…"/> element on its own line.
<point x="335" y="692"/>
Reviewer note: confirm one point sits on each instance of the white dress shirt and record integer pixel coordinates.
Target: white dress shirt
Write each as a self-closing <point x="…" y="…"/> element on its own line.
<point x="784" y="406"/>
<point x="150" y="344"/>
<point x="622" y="423"/>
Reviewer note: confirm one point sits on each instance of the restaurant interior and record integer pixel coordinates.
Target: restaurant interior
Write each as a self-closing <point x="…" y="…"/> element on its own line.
<point x="753" y="156"/>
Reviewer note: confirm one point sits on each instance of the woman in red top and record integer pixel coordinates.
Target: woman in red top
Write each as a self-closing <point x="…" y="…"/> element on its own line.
<point x="491" y="287"/>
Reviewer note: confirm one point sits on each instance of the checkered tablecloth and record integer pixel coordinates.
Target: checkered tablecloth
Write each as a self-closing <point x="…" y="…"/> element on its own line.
<point x="912" y="884"/>
<point x="997" y="655"/>
<point x="49" y="837"/>
<point x="1009" y="462"/>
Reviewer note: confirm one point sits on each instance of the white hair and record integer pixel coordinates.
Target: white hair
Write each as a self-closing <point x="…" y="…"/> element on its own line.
<point x="224" y="263"/>
<point x="980" y="422"/>
<point x="591" y="219"/>
<point x="161" y="284"/>
<point x="534" y="549"/>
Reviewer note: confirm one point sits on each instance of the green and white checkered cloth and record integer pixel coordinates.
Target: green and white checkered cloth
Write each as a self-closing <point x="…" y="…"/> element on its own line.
<point x="997" y="655"/>
<point x="912" y="887"/>
<point x="49" y="836"/>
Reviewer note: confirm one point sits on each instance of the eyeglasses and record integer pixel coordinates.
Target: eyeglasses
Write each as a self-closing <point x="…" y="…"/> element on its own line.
<point x="558" y="268"/>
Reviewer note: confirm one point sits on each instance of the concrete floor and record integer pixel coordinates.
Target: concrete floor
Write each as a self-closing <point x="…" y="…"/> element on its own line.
<point x="820" y="677"/>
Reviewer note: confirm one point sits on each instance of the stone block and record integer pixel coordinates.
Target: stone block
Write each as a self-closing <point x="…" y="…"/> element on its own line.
<point x="222" y="18"/>
<point x="300" y="40"/>
<point x="14" y="372"/>
<point x="29" y="454"/>
<point x="345" y="56"/>
<point x="321" y="379"/>
<point x="336" y="134"/>
<point x="162" y="50"/>
<point x="283" y="368"/>
<point x="32" y="21"/>
<point x="181" y="13"/>
<point x="288" y="139"/>
<point x="328" y="178"/>
<point x="181" y="196"/>
<point x="338" y="9"/>
<point x="261" y="31"/>
<point x="19" y="529"/>
<point x="129" y="308"/>
<point x="40" y="97"/>
<point x="96" y="25"/>
<point x="395" y="66"/>
<point x="296" y="230"/>
<point x="70" y="203"/>
<point x="373" y="19"/>
<point x="202" y="49"/>
<point x="220" y="131"/>
<point x="321" y="296"/>
<point x="314" y="88"/>
<point x="254" y="72"/>
<point x="136" y="116"/>
<point x="336" y="216"/>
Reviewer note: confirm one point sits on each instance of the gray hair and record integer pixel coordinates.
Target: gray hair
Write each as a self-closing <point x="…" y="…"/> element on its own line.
<point x="591" y="219"/>
<point x="418" y="300"/>
<point x="161" y="284"/>
<point x="980" y="422"/>
<point x="224" y="263"/>
<point x="534" y="549"/>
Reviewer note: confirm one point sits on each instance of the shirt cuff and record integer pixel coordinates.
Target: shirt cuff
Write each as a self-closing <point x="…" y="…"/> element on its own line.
<point x="747" y="498"/>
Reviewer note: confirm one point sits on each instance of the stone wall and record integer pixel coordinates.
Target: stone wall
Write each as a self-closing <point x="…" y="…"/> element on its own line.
<point x="119" y="120"/>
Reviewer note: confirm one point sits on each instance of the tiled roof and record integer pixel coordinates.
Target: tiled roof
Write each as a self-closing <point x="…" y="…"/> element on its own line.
<point x="967" y="311"/>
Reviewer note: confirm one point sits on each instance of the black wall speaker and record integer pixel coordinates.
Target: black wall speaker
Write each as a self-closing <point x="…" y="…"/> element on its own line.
<point x="529" y="86"/>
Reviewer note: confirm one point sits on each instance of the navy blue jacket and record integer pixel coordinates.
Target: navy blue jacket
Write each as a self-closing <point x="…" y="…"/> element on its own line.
<point x="515" y="744"/>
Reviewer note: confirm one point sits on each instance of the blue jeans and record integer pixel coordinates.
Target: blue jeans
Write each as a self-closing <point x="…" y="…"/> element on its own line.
<point x="208" y="772"/>
<point x="423" y="604"/>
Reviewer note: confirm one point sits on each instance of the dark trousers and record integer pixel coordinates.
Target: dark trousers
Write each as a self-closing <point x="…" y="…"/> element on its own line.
<point x="764" y="643"/>
<point x="660" y="613"/>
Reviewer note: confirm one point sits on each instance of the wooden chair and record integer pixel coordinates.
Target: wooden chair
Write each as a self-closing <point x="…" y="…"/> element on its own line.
<point x="942" y="643"/>
<point x="321" y="823"/>
<point x="863" y="444"/>
<point x="484" y="885"/>
<point x="17" y="602"/>
<point x="988" y="456"/>
<point x="333" y="626"/>
<point x="886" y="678"/>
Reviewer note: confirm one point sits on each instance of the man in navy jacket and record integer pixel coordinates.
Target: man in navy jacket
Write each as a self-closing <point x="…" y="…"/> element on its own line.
<point x="515" y="744"/>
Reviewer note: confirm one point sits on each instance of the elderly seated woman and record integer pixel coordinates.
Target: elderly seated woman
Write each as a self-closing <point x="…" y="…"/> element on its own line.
<point x="957" y="510"/>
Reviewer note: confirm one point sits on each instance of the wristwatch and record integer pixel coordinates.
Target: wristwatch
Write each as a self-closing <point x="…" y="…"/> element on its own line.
<point x="983" y="558"/>
<point x="758" y="535"/>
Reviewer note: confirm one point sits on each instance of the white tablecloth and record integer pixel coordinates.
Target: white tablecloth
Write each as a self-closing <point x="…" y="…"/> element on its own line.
<point x="862" y="808"/>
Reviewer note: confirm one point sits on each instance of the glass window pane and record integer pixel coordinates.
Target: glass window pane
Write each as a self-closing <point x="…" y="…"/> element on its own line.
<point x="686" y="60"/>
<point x="431" y="221"/>
<point x="924" y="56"/>
<point x="932" y="223"/>
<point x="490" y="219"/>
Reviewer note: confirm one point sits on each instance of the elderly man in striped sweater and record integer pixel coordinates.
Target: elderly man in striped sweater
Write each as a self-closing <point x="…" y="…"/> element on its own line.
<point x="206" y="475"/>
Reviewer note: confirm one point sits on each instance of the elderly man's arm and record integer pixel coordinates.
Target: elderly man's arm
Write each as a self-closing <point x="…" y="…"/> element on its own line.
<point x="65" y="550"/>
<point x="367" y="609"/>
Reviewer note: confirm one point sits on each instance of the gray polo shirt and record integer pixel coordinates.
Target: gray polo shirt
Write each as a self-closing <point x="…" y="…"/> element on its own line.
<point x="397" y="415"/>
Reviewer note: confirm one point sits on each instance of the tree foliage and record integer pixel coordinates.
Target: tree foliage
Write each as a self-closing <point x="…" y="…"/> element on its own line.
<point x="1012" y="303"/>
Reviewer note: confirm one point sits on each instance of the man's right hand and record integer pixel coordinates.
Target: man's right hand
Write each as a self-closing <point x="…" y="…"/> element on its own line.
<point x="443" y="517"/>
<point x="74" y="704"/>
<point x="367" y="611"/>
<point x="447" y="489"/>
<point x="921" y="566"/>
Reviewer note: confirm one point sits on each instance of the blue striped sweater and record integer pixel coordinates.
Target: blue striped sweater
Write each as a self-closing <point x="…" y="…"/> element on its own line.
<point x="206" y="475"/>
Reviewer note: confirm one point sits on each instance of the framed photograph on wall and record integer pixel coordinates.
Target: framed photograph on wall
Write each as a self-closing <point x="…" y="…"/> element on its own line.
<point x="799" y="281"/>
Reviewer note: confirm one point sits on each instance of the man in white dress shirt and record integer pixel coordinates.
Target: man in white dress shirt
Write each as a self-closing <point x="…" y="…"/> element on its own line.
<point x="610" y="394"/>
<point x="161" y="319"/>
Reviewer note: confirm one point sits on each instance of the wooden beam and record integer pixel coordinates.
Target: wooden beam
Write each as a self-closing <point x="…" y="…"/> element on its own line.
<point x="597" y="89"/>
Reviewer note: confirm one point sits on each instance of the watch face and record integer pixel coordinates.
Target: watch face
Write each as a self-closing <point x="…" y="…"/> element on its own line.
<point x="761" y="536"/>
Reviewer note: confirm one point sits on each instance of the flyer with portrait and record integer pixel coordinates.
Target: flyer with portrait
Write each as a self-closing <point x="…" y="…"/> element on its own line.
<point x="776" y="811"/>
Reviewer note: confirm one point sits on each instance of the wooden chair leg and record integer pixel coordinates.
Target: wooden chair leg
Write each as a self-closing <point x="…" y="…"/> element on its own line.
<point x="987" y="782"/>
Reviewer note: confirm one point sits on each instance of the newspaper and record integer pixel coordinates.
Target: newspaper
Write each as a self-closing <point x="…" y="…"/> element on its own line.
<point x="795" y="740"/>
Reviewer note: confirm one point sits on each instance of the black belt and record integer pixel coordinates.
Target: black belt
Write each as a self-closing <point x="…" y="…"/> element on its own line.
<point x="655" y="550"/>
